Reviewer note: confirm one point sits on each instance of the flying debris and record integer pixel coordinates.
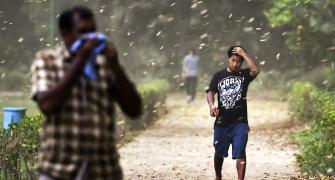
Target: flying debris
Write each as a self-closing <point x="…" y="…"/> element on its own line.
<point x="205" y="24"/>
<point x="230" y="15"/>
<point x="203" y="36"/>
<point x="170" y="19"/>
<point x="158" y="33"/>
<point x="265" y="37"/>
<point x="151" y="25"/>
<point x="251" y="20"/>
<point x="204" y="11"/>
<point x="248" y="29"/>
<point x="278" y="56"/>
<point x="325" y="82"/>
<point x="20" y="40"/>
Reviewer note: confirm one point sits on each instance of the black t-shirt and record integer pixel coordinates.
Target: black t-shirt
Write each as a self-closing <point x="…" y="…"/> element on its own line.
<point x="231" y="88"/>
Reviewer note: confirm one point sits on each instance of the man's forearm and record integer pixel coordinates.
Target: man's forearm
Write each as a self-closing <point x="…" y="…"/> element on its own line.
<point x="251" y="64"/>
<point x="127" y="95"/>
<point x="210" y="99"/>
<point x="129" y="98"/>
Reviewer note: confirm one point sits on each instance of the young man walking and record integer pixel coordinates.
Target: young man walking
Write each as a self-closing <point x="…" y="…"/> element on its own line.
<point x="78" y="134"/>
<point x="231" y="124"/>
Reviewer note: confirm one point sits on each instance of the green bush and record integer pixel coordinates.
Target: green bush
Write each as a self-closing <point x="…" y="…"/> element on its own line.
<point x="317" y="143"/>
<point x="301" y="98"/>
<point x="330" y="85"/>
<point x="19" y="144"/>
<point x="153" y="96"/>
<point x="153" y="91"/>
<point x="19" y="149"/>
<point x="322" y="76"/>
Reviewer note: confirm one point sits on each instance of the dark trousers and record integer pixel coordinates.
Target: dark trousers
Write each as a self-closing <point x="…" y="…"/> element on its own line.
<point x="191" y="86"/>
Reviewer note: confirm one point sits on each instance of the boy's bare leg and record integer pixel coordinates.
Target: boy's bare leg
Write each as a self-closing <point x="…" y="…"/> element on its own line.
<point x="218" y="161"/>
<point x="241" y="166"/>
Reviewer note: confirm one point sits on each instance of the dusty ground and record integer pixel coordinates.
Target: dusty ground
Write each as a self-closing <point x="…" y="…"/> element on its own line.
<point x="179" y="145"/>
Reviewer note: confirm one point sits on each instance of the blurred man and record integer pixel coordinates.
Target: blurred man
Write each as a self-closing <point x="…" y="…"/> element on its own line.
<point x="190" y="74"/>
<point x="231" y="124"/>
<point x="78" y="134"/>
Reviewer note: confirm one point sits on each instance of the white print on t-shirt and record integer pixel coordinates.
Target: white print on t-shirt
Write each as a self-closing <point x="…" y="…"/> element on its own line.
<point x="230" y="90"/>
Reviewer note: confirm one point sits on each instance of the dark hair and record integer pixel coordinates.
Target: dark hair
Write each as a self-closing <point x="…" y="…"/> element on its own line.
<point x="230" y="51"/>
<point x="66" y="19"/>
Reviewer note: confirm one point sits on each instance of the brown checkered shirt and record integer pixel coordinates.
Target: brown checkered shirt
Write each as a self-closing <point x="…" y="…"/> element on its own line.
<point x="83" y="129"/>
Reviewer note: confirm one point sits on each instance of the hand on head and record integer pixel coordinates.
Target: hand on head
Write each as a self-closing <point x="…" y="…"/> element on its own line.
<point x="239" y="51"/>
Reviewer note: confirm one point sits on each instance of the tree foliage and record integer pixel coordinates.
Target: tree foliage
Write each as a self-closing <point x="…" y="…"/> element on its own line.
<point x="309" y="26"/>
<point x="153" y="36"/>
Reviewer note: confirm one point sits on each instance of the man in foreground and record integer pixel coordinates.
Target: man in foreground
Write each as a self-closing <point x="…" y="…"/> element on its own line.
<point x="78" y="135"/>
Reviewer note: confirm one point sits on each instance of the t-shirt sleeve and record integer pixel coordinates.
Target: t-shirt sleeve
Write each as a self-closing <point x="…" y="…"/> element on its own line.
<point x="246" y="74"/>
<point x="41" y="75"/>
<point x="213" y="85"/>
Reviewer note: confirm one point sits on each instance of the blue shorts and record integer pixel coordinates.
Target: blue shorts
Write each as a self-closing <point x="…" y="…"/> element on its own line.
<point x="235" y="134"/>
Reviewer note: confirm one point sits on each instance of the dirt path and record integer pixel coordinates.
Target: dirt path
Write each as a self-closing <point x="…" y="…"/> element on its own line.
<point x="179" y="145"/>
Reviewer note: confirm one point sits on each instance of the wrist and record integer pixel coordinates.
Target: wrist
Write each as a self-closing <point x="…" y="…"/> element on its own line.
<point x="244" y="55"/>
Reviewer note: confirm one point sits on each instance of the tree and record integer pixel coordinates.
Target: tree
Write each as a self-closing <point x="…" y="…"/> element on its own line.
<point x="309" y="28"/>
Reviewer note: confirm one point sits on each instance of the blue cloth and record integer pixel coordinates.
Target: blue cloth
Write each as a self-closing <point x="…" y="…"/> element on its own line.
<point x="235" y="134"/>
<point x="89" y="67"/>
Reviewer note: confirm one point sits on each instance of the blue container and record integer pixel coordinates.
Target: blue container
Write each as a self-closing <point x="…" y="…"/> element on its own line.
<point x="12" y="115"/>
